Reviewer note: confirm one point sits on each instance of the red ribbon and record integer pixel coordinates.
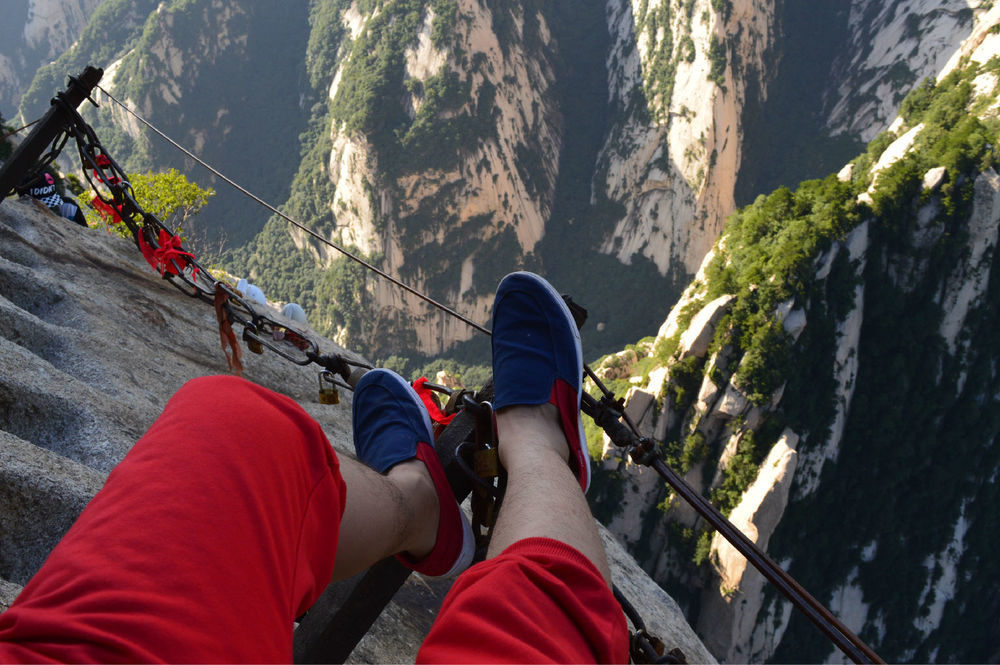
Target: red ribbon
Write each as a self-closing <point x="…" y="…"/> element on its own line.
<point x="103" y="162"/>
<point x="230" y="346"/>
<point x="169" y="257"/>
<point x="111" y="214"/>
<point x="441" y="420"/>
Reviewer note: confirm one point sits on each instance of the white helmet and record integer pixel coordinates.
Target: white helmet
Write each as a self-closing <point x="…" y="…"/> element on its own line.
<point x="252" y="293"/>
<point x="294" y="312"/>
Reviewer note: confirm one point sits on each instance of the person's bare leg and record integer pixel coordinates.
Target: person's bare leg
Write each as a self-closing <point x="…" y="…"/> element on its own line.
<point x="543" y="497"/>
<point x="385" y="515"/>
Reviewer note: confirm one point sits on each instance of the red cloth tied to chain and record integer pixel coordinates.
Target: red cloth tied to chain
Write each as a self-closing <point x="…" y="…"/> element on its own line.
<point x="110" y="213"/>
<point x="438" y="417"/>
<point x="228" y="338"/>
<point x="103" y="162"/>
<point x="169" y="257"/>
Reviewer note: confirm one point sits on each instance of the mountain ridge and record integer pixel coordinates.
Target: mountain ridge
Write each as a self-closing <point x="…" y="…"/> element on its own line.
<point x="832" y="338"/>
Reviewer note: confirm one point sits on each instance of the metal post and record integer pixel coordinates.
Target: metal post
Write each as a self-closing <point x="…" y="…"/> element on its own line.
<point x="52" y="124"/>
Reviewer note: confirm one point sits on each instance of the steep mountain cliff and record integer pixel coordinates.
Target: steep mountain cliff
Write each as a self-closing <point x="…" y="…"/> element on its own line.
<point x="450" y="141"/>
<point x="433" y="138"/>
<point x="678" y="80"/>
<point x="445" y="139"/>
<point x="829" y="380"/>
<point x="32" y="33"/>
<point x="502" y="197"/>
<point x="837" y="75"/>
<point x="892" y="46"/>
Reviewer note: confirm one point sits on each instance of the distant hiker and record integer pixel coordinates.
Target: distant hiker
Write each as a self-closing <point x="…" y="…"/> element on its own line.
<point x="43" y="188"/>
<point x="216" y="531"/>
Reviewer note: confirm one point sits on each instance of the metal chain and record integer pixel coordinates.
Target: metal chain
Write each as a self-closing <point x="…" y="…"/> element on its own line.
<point x="260" y="330"/>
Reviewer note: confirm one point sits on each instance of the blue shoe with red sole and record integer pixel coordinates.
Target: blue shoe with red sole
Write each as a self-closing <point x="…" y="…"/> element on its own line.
<point x="537" y="358"/>
<point x="391" y="426"/>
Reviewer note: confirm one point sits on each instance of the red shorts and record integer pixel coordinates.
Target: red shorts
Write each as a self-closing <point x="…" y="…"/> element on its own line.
<point x="220" y="527"/>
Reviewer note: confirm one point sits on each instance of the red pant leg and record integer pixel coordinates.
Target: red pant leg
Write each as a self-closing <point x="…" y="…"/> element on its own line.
<point x="217" y="529"/>
<point x="539" y="601"/>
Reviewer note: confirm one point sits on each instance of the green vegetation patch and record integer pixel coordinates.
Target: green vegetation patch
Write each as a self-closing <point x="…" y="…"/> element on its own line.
<point x="768" y="259"/>
<point x="368" y="99"/>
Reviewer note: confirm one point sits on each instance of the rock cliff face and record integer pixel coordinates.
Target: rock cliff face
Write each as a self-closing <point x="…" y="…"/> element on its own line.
<point x="471" y="171"/>
<point x="33" y="33"/>
<point x="92" y="345"/>
<point x="892" y="47"/>
<point x="848" y="323"/>
<point x="440" y="162"/>
<point x="678" y="79"/>
<point x="433" y="136"/>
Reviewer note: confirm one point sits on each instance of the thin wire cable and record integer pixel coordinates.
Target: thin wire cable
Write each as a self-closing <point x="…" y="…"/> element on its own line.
<point x="350" y="255"/>
<point x="16" y="131"/>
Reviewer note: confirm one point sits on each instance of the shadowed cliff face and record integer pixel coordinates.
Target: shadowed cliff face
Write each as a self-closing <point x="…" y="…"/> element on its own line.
<point x="33" y="33"/>
<point x="678" y="80"/>
<point x="92" y="345"/>
<point x="829" y="380"/>
<point x="891" y="47"/>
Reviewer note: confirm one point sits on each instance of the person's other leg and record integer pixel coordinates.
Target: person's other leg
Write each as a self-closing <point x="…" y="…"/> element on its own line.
<point x="543" y="497"/>
<point x="385" y="515"/>
<point x="543" y="594"/>
<point x="394" y="436"/>
<point x="212" y="535"/>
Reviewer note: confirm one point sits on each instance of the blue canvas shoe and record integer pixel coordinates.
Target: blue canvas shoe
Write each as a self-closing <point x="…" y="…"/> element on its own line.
<point x="391" y="426"/>
<point x="537" y="357"/>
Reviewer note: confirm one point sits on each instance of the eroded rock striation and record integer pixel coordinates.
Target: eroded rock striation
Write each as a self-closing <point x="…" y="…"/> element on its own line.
<point x="678" y="79"/>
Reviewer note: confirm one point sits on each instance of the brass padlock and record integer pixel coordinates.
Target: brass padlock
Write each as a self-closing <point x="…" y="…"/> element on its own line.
<point x="486" y="463"/>
<point x="328" y="394"/>
<point x="252" y="342"/>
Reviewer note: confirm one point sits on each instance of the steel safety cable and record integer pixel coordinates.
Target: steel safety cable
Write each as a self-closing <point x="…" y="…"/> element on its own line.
<point x="314" y="234"/>
<point x="17" y="131"/>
